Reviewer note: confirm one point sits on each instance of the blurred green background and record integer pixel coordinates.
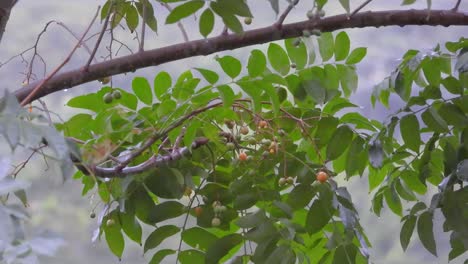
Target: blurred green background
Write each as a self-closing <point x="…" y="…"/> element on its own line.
<point x="59" y="206"/>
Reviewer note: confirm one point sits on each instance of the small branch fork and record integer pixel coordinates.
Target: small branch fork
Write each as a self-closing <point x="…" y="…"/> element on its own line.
<point x="455" y="8"/>
<point x="36" y="89"/>
<point x="286" y="12"/>
<point x="359" y="8"/>
<point x="98" y="41"/>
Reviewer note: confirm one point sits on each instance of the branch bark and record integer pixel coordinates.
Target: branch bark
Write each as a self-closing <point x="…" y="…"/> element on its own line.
<point x="5" y="10"/>
<point x="232" y="41"/>
<point x="151" y="163"/>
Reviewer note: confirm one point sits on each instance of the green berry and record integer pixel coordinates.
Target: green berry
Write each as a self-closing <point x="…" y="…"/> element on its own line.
<point x="230" y="145"/>
<point x="297" y="42"/>
<point x="217" y="209"/>
<point x="282" y="181"/>
<point x="108" y="98"/>
<point x="215" y="222"/>
<point x="310" y="14"/>
<point x="306" y="33"/>
<point x="110" y="222"/>
<point x="92" y="215"/>
<point x="293" y="65"/>
<point x="248" y="20"/>
<point x="321" y="13"/>
<point x="316" y="32"/>
<point x="116" y="94"/>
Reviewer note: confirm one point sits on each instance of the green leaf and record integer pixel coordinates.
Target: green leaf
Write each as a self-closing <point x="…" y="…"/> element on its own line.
<point x="239" y="8"/>
<point x="407" y="231"/>
<point x="191" y="132"/>
<point x="199" y="238"/>
<point x="452" y="85"/>
<point x="114" y="237"/>
<point x="160" y="255"/>
<point x="356" y="160"/>
<point x="231" y="66"/>
<point x="300" y="196"/>
<point x="245" y="201"/>
<point x="166" y="183"/>
<point x="158" y="236"/>
<point x="278" y="58"/>
<point x="326" y="46"/>
<point x="356" y="55"/>
<point x="325" y="128"/>
<point x="149" y="17"/>
<point x="408" y="2"/>
<point x="275" y="5"/>
<point x="315" y="89"/>
<point x="393" y="200"/>
<point x="166" y="210"/>
<point x="227" y="95"/>
<point x="297" y="54"/>
<point x="252" y="220"/>
<point x="162" y="83"/>
<point x="142" y="90"/>
<point x="345" y="5"/>
<point x="165" y="108"/>
<point x="282" y="254"/>
<point x="348" y="78"/>
<point x="191" y="256"/>
<point x="340" y="141"/>
<point x="342" y="42"/>
<point x="319" y="215"/>
<point x="409" y="128"/>
<point x="425" y="232"/>
<point x="434" y="121"/>
<point x="453" y="115"/>
<point x="131" y="227"/>
<point x="221" y="248"/>
<point x="206" y="23"/>
<point x="257" y="63"/>
<point x="143" y="204"/>
<point x="274" y="99"/>
<point x="131" y="17"/>
<point x="411" y="180"/>
<point x="345" y="254"/>
<point x="211" y="76"/>
<point x="184" y="10"/>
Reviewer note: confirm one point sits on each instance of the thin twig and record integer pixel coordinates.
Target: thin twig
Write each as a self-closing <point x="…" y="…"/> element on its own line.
<point x="41" y="84"/>
<point x="455" y="8"/>
<point x="360" y="7"/>
<point x="76" y="37"/>
<point x="181" y="27"/>
<point x="98" y="42"/>
<point x="283" y="16"/>
<point x="143" y="29"/>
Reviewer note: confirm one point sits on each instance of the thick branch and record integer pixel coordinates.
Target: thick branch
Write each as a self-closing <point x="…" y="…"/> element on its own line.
<point x="153" y="162"/>
<point x="5" y="10"/>
<point x="233" y="41"/>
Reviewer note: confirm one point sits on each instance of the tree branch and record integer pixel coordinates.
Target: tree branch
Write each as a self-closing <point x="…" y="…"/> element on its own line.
<point x="455" y="8"/>
<point x="153" y="162"/>
<point x="5" y="10"/>
<point x="232" y="41"/>
<point x="42" y="82"/>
